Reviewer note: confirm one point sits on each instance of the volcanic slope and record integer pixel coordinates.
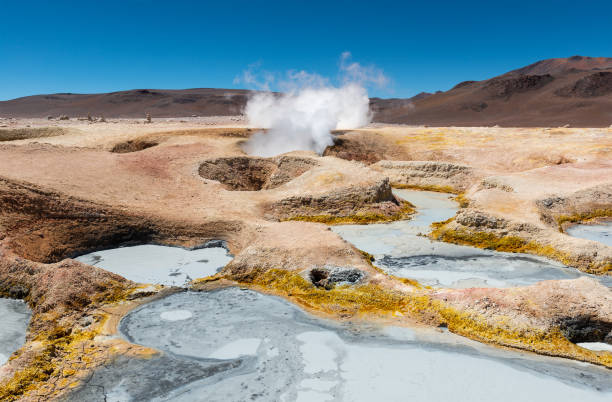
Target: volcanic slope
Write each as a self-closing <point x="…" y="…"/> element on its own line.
<point x="132" y="103"/>
<point x="550" y="93"/>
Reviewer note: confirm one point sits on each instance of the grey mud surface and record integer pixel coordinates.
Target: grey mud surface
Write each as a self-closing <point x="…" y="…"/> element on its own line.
<point x="401" y="249"/>
<point x="171" y="266"/>
<point x="600" y="232"/>
<point x="239" y="345"/>
<point x="14" y="316"/>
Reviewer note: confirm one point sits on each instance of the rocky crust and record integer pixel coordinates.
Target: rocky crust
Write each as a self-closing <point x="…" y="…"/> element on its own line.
<point x="294" y="247"/>
<point x="354" y="146"/>
<point x="376" y="199"/>
<point x="529" y="308"/>
<point x="479" y="229"/>
<point x="71" y="312"/>
<point x="590" y="321"/>
<point x="443" y="176"/>
<point x="583" y="205"/>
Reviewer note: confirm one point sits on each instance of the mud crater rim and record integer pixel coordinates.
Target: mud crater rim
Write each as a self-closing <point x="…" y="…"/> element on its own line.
<point x="130" y="146"/>
<point x="251" y="173"/>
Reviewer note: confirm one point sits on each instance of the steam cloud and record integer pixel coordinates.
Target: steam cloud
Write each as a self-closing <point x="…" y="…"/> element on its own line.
<point x="303" y="117"/>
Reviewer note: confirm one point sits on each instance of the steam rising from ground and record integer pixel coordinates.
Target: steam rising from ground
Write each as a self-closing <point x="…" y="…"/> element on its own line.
<point x="303" y="117"/>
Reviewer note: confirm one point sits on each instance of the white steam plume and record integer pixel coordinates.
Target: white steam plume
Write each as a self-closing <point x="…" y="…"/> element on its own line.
<point x="303" y="117"/>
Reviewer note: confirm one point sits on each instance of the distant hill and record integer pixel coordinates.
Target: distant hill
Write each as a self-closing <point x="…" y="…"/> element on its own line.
<point x="554" y="92"/>
<point x="134" y="103"/>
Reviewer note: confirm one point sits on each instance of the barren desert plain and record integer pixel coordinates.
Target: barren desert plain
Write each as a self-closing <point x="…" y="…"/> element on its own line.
<point x="304" y="262"/>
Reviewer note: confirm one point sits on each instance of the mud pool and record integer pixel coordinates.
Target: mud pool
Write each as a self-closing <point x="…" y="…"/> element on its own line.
<point x="600" y="232"/>
<point x="172" y="266"/>
<point x="235" y="345"/>
<point x="401" y="249"/>
<point x="15" y="316"/>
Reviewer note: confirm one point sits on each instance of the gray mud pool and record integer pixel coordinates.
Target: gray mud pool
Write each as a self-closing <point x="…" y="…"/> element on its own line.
<point x="239" y="345"/>
<point x="600" y="232"/>
<point x="172" y="266"/>
<point x="401" y="249"/>
<point x="15" y="316"/>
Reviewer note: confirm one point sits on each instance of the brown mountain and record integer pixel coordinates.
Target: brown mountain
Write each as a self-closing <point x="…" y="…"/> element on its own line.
<point x="134" y="103"/>
<point x="553" y="92"/>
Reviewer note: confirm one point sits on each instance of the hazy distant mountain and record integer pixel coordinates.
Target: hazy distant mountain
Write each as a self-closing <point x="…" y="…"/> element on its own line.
<point x="134" y="103"/>
<point x="553" y="92"/>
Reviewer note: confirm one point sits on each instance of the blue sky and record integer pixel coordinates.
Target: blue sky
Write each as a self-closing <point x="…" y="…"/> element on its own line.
<point x="87" y="46"/>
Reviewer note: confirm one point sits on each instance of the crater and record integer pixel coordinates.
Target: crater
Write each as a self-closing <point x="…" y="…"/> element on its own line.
<point x="132" y="146"/>
<point x="48" y="227"/>
<point x="356" y="149"/>
<point x="13" y="134"/>
<point x="245" y="173"/>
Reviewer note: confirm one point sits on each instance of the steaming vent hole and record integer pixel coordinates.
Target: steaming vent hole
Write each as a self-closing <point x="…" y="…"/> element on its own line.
<point x="244" y="173"/>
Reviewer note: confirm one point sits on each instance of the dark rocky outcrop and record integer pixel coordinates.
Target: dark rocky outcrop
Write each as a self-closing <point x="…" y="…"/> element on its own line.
<point x="506" y="87"/>
<point x="594" y="85"/>
<point x="328" y="276"/>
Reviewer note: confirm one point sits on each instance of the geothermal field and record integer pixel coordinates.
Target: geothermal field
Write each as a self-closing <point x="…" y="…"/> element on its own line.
<point x="310" y="245"/>
<point x="162" y="261"/>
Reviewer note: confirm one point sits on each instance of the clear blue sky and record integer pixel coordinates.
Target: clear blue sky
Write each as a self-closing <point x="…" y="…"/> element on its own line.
<point x="87" y="46"/>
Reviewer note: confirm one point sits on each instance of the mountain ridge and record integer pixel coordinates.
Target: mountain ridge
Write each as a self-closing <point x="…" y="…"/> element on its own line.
<point x="576" y="90"/>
